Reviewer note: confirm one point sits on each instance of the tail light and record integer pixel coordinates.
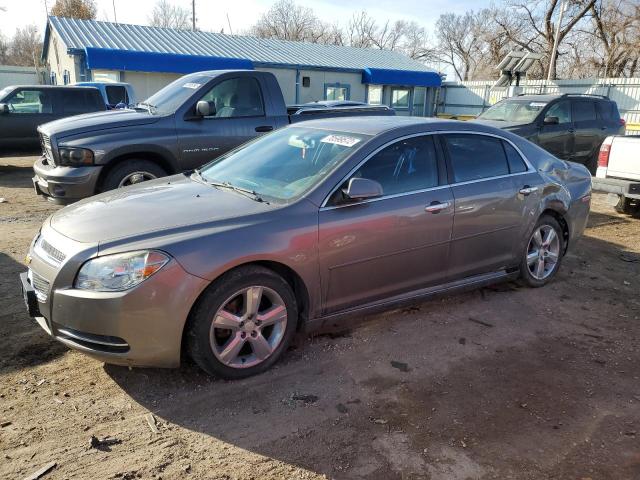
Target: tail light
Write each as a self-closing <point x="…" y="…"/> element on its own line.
<point x="623" y="123"/>
<point x="605" y="149"/>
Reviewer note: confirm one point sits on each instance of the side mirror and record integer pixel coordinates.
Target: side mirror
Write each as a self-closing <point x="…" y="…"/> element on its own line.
<point x="205" y="109"/>
<point x="4" y="108"/>
<point x="362" y="189"/>
<point x="551" y="120"/>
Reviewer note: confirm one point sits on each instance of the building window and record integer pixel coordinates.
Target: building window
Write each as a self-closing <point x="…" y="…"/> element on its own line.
<point x="336" y="91"/>
<point x="400" y="98"/>
<point x="375" y="94"/>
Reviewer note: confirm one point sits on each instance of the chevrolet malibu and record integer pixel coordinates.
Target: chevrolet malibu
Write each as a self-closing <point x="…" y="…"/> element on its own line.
<point x="295" y="229"/>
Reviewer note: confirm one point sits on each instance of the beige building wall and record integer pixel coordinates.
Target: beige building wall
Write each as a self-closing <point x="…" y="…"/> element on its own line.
<point x="59" y="60"/>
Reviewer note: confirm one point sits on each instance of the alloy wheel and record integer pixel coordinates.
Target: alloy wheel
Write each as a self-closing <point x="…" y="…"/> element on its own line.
<point x="136" y="177"/>
<point x="248" y="327"/>
<point x="543" y="252"/>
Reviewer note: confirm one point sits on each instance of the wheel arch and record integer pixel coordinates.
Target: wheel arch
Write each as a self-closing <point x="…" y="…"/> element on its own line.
<point x="560" y="218"/>
<point x="287" y="273"/>
<point x="155" y="157"/>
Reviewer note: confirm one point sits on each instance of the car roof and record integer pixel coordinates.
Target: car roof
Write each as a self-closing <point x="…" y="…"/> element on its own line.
<point x="52" y="87"/>
<point x="376" y="125"/>
<point x="547" y="97"/>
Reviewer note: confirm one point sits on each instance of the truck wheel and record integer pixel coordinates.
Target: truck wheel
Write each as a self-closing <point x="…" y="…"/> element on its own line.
<point x="624" y="205"/>
<point x="131" y="172"/>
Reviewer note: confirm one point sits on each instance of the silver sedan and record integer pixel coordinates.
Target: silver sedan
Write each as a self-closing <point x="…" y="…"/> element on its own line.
<point x="307" y="224"/>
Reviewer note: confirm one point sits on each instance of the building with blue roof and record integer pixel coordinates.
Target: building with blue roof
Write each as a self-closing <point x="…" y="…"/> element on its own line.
<point x="151" y="57"/>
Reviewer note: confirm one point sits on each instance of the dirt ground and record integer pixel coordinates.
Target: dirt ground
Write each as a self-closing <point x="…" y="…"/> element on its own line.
<point x="498" y="383"/>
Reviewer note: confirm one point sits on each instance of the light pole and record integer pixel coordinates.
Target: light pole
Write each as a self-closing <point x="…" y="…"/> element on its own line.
<point x="193" y="14"/>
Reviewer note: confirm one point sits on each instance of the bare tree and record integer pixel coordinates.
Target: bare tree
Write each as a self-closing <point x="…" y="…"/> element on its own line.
<point x="82" y="9"/>
<point x="287" y="21"/>
<point x="166" y="15"/>
<point x="25" y="48"/>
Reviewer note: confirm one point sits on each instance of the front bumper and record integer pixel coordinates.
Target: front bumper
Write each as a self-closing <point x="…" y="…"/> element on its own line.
<point x="626" y="188"/>
<point x="64" y="184"/>
<point x="139" y="327"/>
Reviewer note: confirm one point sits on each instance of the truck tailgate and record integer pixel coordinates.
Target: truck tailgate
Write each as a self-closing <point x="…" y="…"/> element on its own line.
<point x="624" y="159"/>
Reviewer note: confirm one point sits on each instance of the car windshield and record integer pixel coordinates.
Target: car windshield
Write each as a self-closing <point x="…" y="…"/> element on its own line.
<point x="173" y="95"/>
<point x="519" y="111"/>
<point x="283" y="165"/>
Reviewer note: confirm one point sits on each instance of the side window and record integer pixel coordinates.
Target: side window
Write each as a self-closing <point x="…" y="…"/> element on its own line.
<point x="404" y="166"/>
<point x="73" y="101"/>
<point x="562" y="110"/>
<point x="400" y="98"/>
<point x="236" y="97"/>
<point x="116" y="94"/>
<point x="337" y="91"/>
<point x="474" y="157"/>
<point x="516" y="164"/>
<point x="584" y="111"/>
<point x="30" y="101"/>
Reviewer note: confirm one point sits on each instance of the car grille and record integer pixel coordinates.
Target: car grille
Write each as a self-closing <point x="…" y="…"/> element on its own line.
<point x="41" y="285"/>
<point x="45" y="142"/>
<point x="48" y="252"/>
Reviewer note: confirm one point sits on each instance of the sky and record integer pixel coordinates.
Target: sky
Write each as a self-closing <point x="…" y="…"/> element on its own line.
<point x="212" y="15"/>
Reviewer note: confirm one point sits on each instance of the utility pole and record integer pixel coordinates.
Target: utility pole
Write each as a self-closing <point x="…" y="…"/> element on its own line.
<point x="115" y="19"/>
<point x="193" y="14"/>
<point x="556" y="40"/>
<point x="229" y="22"/>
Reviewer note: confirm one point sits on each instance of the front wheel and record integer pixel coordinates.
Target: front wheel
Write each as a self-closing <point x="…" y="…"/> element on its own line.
<point x="130" y="172"/>
<point x="543" y="254"/>
<point x="243" y="323"/>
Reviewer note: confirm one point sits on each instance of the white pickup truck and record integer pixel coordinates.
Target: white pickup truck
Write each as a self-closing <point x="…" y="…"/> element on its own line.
<point x="619" y="172"/>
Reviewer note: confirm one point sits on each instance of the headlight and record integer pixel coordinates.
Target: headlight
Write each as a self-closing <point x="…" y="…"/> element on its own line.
<point x="114" y="273"/>
<point x="74" y="157"/>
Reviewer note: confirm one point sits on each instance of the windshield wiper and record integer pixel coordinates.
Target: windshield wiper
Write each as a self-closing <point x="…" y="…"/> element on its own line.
<point x="245" y="191"/>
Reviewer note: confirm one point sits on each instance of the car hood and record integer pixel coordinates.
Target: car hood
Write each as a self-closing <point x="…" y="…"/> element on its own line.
<point x="156" y="207"/>
<point x="90" y="122"/>
<point x="501" y="125"/>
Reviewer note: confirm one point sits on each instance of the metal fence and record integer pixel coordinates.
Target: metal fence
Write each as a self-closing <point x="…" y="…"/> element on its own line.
<point x="468" y="99"/>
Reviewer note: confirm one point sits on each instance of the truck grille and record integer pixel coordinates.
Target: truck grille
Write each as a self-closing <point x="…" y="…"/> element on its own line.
<point x="40" y="285"/>
<point x="45" y="142"/>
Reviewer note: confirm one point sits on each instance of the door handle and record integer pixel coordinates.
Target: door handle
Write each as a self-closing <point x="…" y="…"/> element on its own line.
<point x="436" y="206"/>
<point x="264" y="128"/>
<point x="572" y="130"/>
<point x="603" y="128"/>
<point x="526" y="190"/>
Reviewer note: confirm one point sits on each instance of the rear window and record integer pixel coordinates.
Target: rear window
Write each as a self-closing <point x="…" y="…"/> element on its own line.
<point x="116" y="94"/>
<point x="608" y="111"/>
<point x="584" y="111"/>
<point x="516" y="164"/>
<point x="80" y="101"/>
<point x="474" y="157"/>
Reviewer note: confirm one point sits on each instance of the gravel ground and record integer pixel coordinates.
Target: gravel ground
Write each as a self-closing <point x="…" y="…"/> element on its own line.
<point x="498" y="383"/>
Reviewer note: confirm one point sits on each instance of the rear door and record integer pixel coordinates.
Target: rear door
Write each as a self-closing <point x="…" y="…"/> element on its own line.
<point x="558" y="139"/>
<point x="374" y="249"/>
<point x="238" y="114"/>
<point x="588" y="135"/>
<point x="487" y="176"/>
<point x="28" y="108"/>
<point x="70" y="102"/>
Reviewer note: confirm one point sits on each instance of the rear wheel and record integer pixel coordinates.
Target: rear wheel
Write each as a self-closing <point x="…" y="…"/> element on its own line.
<point x="543" y="254"/>
<point x="243" y="323"/>
<point x="130" y="172"/>
<point x="626" y="205"/>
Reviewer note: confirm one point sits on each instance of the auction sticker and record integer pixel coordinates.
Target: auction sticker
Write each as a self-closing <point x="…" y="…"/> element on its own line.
<point x="193" y="86"/>
<point x="537" y="104"/>
<point x="342" y="140"/>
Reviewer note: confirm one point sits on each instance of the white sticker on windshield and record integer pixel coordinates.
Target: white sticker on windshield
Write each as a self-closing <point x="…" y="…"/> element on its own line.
<point x="537" y="104"/>
<point x="193" y="86"/>
<point x="342" y="140"/>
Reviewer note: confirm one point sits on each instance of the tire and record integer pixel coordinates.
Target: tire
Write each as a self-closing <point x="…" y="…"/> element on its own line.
<point x="539" y="248"/>
<point x="126" y="170"/>
<point x="227" y="338"/>
<point x="625" y="206"/>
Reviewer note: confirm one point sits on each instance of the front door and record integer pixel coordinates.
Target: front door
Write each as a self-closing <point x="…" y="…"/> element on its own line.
<point x="558" y="139"/>
<point x="374" y="249"/>
<point x="237" y="115"/>
<point x="489" y="181"/>
<point x="28" y="108"/>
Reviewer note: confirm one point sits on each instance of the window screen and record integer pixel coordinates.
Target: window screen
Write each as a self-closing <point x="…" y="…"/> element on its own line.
<point x="584" y="111"/>
<point x="474" y="157"/>
<point x="404" y="166"/>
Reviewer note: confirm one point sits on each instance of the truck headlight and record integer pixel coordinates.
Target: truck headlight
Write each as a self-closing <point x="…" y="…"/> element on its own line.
<point x="122" y="271"/>
<point x="74" y="157"/>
